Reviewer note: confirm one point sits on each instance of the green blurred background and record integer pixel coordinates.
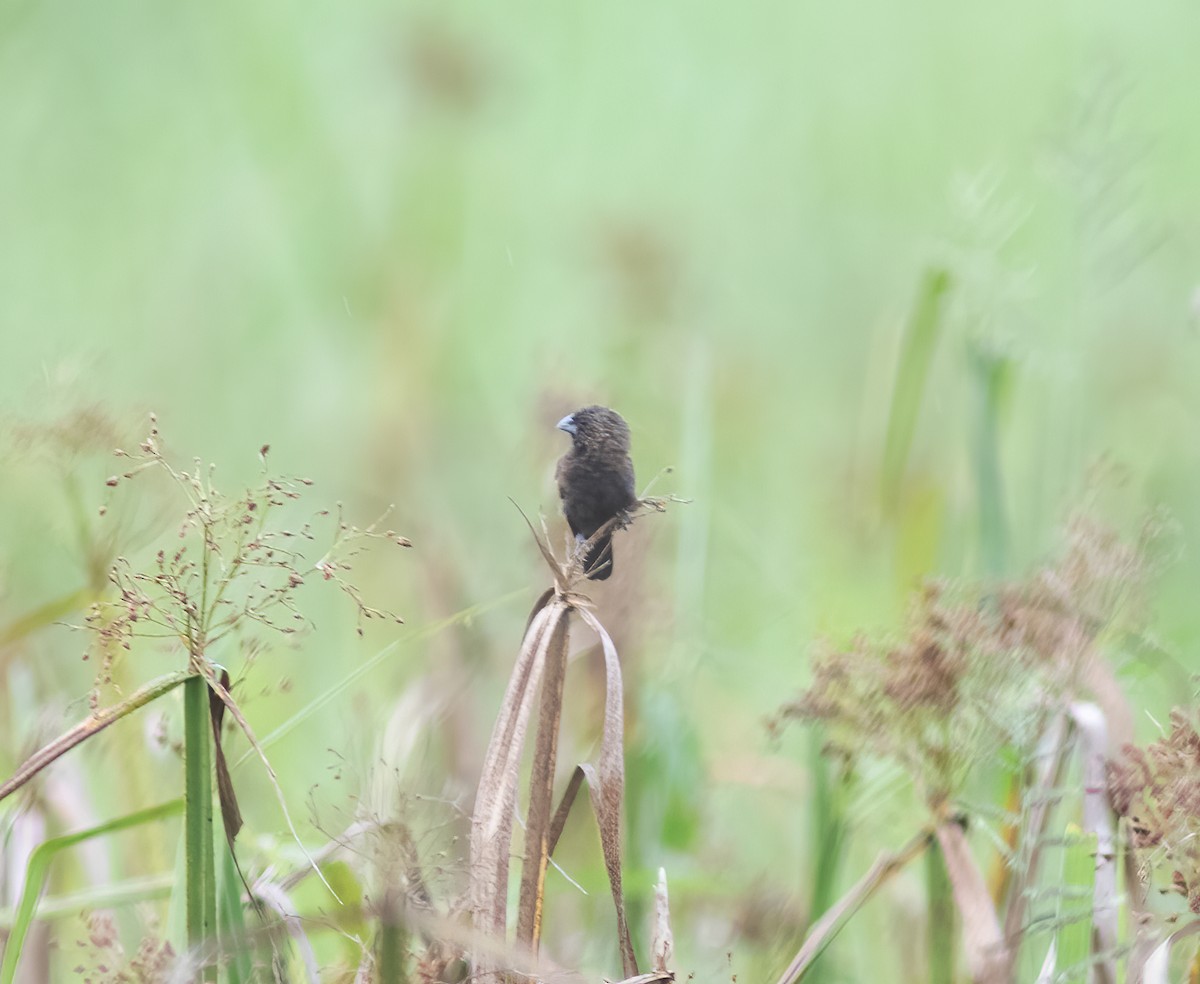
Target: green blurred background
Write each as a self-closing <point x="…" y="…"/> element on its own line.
<point x="892" y="289"/>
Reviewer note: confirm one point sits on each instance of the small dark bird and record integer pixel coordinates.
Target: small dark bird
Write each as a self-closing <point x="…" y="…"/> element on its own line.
<point x="595" y="480"/>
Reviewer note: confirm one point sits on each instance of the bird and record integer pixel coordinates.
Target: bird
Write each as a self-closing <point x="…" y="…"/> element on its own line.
<point x="595" y="481"/>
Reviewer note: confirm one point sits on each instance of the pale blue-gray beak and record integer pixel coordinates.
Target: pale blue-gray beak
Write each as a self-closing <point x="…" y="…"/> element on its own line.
<point x="567" y="424"/>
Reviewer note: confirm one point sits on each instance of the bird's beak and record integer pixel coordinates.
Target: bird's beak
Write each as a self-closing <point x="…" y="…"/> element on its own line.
<point x="567" y="424"/>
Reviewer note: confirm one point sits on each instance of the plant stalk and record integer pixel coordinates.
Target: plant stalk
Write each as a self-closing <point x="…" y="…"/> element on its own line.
<point x="200" y="875"/>
<point x="92" y="724"/>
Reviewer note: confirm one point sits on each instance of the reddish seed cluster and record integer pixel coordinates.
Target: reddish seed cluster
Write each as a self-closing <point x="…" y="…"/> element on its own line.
<point x="975" y="667"/>
<point x="1157" y="791"/>
<point x="103" y="960"/>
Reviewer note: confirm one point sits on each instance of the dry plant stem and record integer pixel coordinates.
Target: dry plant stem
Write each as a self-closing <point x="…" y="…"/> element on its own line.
<point x="987" y="956"/>
<point x="830" y="924"/>
<point x="662" y="945"/>
<point x="541" y="791"/>
<point x="1097" y="819"/>
<point x="450" y="930"/>
<point x="91" y="725"/>
<point x="492" y="818"/>
<point x="328" y="852"/>
<point x="1034" y="828"/>
<point x="564" y="809"/>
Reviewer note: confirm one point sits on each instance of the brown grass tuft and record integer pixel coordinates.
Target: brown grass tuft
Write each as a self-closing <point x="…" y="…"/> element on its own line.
<point x="978" y="666"/>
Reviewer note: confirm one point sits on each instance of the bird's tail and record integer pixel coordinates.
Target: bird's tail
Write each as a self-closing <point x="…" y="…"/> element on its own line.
<point x="599" y="561"/>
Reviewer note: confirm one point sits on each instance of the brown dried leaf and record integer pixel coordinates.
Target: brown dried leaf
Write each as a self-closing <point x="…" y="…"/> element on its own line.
<point x="607" y="784"/>
<point x="564" y="809"/>
<point x="495" y="799"/>
<point x="541" y="791"/>
<point x="231" y="816"/>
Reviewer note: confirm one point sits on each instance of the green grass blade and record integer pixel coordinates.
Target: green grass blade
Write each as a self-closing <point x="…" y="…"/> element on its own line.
<point x="111" y="896"/>
<point x="329" y="694"/>
<point x="991" y="374"/>
<point x="1075" y="907"/>
<point x="198" y="822"/>
<point x="47" y="614"/>
<point x="392" y="950"/>
<point x="829" y="832"/>
<point x="943" y="924"/>
<point x="231" y="919"/>
<point x="39" y="865"/>
<point x="919" y="342"/>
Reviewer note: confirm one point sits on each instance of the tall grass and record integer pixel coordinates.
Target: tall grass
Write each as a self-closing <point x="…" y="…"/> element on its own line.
<point x="393" y="241"/>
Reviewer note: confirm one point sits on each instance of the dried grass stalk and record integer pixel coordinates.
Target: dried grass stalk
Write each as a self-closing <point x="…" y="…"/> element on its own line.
<point x="662" y="945"/>
<point x="543" y="656"/>
<point x="95" y="722"/>
<point x="1097" y="820"/>
<point x="831" y="923"/>
<point x="1031" y="832"/>
<point x="987" y="956"/>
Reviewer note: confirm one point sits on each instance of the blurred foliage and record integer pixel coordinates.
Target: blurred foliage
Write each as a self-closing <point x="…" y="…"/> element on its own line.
<point x="397" y="242"/>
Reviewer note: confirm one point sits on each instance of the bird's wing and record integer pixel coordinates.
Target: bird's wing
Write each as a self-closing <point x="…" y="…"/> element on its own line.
<point x="562" y="478"/>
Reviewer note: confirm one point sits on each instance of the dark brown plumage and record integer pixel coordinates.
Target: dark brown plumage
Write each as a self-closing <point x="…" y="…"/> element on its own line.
<point x="595" y="480"/>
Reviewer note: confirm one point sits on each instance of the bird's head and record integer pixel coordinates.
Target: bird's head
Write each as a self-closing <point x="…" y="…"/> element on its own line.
<point x="596" y="426"/>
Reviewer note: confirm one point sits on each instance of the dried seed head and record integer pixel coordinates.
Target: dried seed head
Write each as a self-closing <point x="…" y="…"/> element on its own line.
<point x="975" y="668"/>
<point x="1157" y="791"/>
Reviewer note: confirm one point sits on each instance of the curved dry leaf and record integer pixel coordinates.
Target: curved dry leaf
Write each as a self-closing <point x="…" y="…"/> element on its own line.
<point x="541" y="790"/>
<point x="607" y="785"/>
<point x="495" y="800"/>
<point x="231" y="815"/>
